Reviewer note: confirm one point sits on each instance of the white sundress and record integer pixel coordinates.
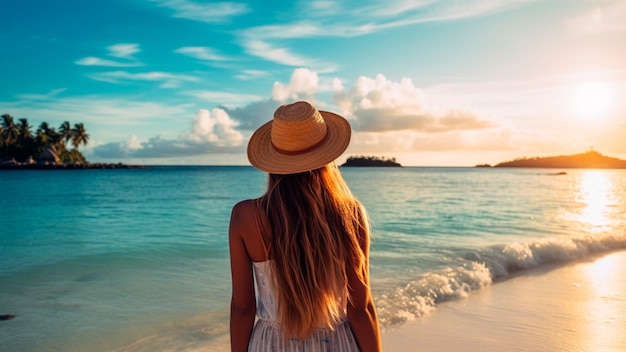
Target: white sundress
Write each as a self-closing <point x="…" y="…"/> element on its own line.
<point x="267" y="335"/>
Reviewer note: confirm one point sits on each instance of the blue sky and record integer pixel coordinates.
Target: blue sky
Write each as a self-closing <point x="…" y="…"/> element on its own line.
<point x="430" y="82"/>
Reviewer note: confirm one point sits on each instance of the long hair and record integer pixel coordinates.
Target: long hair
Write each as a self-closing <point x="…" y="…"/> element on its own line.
<point x="315" y="222"/>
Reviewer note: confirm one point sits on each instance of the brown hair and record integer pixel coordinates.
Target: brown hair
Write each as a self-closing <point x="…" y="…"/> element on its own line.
<point x="316" y="225"/>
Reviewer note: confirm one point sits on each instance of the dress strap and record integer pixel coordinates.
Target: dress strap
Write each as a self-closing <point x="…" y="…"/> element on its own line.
<point x="263" y="226"/>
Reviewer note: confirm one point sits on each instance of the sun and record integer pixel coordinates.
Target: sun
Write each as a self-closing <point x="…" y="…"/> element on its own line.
<point x="592" y="100"/>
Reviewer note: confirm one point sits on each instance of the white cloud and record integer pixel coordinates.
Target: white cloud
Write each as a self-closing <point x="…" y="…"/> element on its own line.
<point x="224" y="98"/>
<point x="303" y="85"/>
<point x="325" y="7"/>
<point x="201" y="53"/>
<point x="211" y="132"/>
<point x="109" y="120"/>
<point x="93" y="110"/>
<point x="51" y="94"/>
<point x="337" y="19"/>
<point x="124" y="51"/>
<point x="296" y="29"/>
<point x="215" y="12"/>
<point x="249" y="117"/>
<point x="168" y="80"/>
<point x="120" y="51"/>
<point x="357" y="20"/>
<point x="216" y="128"/>
<point x="269" y="51"/>
<point x="280" y="55"/>
<point x="134" y="143"/>
<point x="378" y="105"/>
<point x="392" y="117"/>
<point x="406" y="12"/>
<point x="96" y="61"/>
<point x="251" y="74"/>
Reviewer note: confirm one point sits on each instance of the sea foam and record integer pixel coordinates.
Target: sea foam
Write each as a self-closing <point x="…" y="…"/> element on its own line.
<point x="480" y="268"/>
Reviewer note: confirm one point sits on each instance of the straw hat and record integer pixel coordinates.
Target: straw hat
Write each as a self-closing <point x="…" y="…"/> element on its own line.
<point x="299" y="138"/>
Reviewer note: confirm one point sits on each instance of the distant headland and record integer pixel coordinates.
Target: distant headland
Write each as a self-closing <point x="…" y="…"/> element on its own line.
<point x="371" y="161"/>
<point x="588" y="160"/>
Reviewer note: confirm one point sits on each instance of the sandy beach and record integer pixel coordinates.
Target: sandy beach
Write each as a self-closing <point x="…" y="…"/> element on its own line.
<point x="580" y="306"/>
<point x="575" y="307"/>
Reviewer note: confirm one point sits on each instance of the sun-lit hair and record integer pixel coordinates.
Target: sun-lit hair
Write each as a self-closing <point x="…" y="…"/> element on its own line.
<point x="315" y="222"/>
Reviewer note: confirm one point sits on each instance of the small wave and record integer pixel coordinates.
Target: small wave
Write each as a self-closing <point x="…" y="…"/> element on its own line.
<point x="503" y="260"/>
<point x="480" y="268"/>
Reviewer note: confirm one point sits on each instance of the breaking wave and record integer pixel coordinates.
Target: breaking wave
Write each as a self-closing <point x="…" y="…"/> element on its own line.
<point x="477" y="269"/>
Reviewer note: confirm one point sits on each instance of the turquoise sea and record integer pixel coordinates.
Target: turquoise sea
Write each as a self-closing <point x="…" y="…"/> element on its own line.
<point x="137" y="259"/>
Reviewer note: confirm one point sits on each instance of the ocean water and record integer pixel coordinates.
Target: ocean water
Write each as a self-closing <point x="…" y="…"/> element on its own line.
<point x="137" y="259"/>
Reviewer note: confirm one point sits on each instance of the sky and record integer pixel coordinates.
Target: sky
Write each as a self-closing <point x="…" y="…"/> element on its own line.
<point x="429" y="82"/>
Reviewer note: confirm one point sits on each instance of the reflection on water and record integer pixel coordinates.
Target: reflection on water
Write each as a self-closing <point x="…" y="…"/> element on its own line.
<point x="604" y="318"/>
<point x="594" y="193"/>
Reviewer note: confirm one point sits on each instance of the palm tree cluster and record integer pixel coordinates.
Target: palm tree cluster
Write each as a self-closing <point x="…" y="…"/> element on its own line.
<point x="19" y="143"/>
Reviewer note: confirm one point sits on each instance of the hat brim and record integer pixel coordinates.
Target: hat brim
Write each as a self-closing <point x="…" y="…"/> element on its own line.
<point x="263" y="156"/>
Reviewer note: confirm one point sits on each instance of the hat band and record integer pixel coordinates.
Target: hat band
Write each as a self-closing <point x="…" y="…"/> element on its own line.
<point x="301" y="151"/>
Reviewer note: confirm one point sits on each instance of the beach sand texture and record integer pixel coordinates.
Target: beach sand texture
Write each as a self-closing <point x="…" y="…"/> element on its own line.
<point x="577" y="307"/>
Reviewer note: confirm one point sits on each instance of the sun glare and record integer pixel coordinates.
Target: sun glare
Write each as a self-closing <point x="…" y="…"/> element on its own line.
<point x="595" y="195"/>
<point x="593" y="100"/>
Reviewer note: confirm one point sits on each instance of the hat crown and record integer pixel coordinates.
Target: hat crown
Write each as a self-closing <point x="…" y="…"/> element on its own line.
<point x="296" y="127"/>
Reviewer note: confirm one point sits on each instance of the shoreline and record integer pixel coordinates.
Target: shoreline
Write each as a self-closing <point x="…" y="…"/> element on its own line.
<point x="577" y="306"/>
<point x="68" y="166"/>
<point x="574" y="307"/>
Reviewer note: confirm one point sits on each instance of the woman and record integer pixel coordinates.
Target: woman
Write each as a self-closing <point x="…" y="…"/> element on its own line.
<point x="305" y="242"/>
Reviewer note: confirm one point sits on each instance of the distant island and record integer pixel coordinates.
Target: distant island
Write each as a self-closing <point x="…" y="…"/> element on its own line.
<point x="588" y="160"/>
<point x="46" y="148"/>
<point x="371" y="161"/>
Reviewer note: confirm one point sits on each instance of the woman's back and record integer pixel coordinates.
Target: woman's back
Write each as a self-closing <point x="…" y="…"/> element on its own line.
<point x="268" y="335"/>
<point x="313" y="228"/>
<point x="305" y="243"/>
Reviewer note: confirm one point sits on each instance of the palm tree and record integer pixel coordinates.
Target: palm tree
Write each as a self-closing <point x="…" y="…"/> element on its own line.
<point x="24" y="139"/>
<point x="43" y="133"/>
<point x="9" y="133"/>
<point x="46" y="137"/>
<point x="79" y="135"/>
<point x="65" y="131"/>
<point x="42" y="136"/>
<point x="47" y="134"/>
<point x="1" y="135"/>
<point x="24" y="129"/>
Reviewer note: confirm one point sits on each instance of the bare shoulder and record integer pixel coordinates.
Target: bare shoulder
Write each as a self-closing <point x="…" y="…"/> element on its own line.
<point x="244" y="206"/>
<point x="245" y="231"/>
<point x="242" y="216"/>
